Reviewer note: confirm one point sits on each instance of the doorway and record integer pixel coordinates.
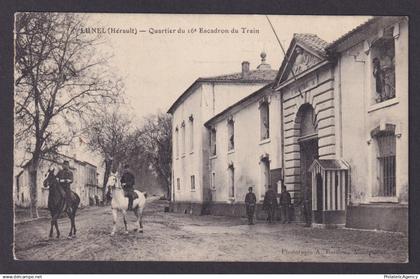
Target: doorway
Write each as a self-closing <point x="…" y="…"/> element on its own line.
<point x="308" y="143"/>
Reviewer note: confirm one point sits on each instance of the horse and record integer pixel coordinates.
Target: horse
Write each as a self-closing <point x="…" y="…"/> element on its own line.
<point x="57" y="203"/>
<point x="120" y="203"/>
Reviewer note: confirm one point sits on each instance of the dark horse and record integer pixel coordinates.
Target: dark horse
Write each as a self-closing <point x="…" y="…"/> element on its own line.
<point x="57" y="203"/>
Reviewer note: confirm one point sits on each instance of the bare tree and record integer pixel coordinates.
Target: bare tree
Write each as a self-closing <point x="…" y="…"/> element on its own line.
<point x="59" y="77"/>
<point x="107" y="134"/>
<point x="154" y="146"/>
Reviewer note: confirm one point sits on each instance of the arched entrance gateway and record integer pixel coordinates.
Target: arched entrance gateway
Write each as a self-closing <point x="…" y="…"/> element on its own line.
<point x="308" y="144"/>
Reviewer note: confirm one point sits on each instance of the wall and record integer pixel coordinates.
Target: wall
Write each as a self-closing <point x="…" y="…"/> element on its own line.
<point x="206" y="100"/>
<point x="360" y="116"/>
<point x="317" y="90"/>
<point x="247" y="152"/>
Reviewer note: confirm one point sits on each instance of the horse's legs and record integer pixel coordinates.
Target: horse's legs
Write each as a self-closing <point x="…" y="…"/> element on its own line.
<point x="140" y="213"/>
<point x="56" y="227"/>
<point x="114" y="221"/>
<point x="52" y="227"/>
<point x="70" y="215"/>
<point x="136" y="212"/>
<point x="74" y="223"/>
<point x="125" y="221"/>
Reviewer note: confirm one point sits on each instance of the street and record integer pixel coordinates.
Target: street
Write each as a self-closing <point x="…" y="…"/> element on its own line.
<point x="182" y="237"/>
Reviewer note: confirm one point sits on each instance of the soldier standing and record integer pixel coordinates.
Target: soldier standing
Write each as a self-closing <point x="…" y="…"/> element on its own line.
<point x="270" y="203"/>
<point x="285" y="202"/>
<point x="250" y="202"/>
<point x="65" y="178"/>
<point x="127" y="182"/>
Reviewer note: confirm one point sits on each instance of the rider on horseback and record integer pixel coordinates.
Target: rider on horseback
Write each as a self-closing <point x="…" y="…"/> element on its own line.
<point x="127" y="182"/>
<point x="65" y="178"/>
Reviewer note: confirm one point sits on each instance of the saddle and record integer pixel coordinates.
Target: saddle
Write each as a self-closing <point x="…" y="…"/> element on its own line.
<point x="132" y="193"/>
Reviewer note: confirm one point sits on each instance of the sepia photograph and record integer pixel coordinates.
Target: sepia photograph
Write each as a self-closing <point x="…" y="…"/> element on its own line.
<point x="211" y="138"/>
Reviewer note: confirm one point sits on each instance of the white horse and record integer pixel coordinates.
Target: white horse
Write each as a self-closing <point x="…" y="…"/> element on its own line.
<point x="120" y="203"/>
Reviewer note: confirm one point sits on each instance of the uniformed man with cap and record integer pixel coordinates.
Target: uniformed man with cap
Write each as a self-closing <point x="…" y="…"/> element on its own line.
<point x="65" y="178"/>
<point x="127" y="182"/>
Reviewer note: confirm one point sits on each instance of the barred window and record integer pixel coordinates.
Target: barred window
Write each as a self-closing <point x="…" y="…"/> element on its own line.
<point x="386" y="165"/>
<point x="383" y="65"/>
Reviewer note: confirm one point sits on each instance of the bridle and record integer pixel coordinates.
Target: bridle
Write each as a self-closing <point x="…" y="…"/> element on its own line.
<point x="114" y="185"/>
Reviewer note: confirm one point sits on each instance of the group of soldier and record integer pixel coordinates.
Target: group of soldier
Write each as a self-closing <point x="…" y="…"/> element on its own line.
<point x="270" y="204"/>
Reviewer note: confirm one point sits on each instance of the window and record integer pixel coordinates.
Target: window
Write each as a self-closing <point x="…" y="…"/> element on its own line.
<point x="264" y="119"/>
<point x="192" y="182"/>
<point x="383" y="66"/>
<point x="213" y="180"/>
<point x="231" y="173"/>
<point x="191" y="121"/>
<point x="386" y="164"/>
<point x="178" y="184"/>
<point x="231" y="134"/>
<point x="177" y="141"/>
<point x="213" y="142"/>
<point x="183" y="137"/>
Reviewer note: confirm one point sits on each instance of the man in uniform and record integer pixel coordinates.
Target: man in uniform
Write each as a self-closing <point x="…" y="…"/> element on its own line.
<point x="127" y="182"/>
<point x="250" y="201"/>
<point x="285" y="202"/>
<point x="307" y="211"/>
<point x="270" y="203"/>
<point x="65" y="178"/>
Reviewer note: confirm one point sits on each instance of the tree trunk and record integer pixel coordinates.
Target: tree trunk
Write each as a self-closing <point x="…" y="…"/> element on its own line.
<point x="33" y="170"/>
<point x="108" y="164"/>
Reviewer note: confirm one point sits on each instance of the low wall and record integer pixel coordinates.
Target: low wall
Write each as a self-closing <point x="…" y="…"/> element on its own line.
<point x="385" y="217"/>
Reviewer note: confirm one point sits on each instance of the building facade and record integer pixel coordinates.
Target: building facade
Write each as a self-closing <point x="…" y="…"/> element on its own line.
<point x="85" y="182"/>
<point x="332" y="126"/>
<point x="205" y="98"/>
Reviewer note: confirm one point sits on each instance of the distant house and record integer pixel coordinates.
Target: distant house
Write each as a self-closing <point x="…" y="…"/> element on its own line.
<point x="85" y="182"/>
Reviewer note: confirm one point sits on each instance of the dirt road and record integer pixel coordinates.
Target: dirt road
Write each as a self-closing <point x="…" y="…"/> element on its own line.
<point x="180" y="237"/>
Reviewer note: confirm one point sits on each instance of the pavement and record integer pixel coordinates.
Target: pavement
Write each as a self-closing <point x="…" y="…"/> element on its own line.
<point x="184" y="237"/>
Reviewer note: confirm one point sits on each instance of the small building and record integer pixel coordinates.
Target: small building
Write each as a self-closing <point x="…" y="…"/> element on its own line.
<point x="85" y="182"/>
<point x="205" y="98"/>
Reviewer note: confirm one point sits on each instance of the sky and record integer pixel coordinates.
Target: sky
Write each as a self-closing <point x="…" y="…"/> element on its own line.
<point x="158" y="66"/>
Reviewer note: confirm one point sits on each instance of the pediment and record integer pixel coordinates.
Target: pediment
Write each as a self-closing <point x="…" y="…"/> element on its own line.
<point x="299" y="60"/>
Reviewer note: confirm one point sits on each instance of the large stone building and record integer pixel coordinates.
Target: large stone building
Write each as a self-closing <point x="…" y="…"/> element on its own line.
<point x="333" y="127"/>
<point x="85" y="181"/>
<point x="205" y="98"/>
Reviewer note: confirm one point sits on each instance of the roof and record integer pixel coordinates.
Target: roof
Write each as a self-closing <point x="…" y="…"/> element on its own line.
<point x="251" y="76"/>
<point x="331" y="164"/>
<point x="254" y="76"/>
<point x="311" y="41"/>
<point x="241" y="101"/>
<point x="60" y="155"/>
<point x="358" y="30"/>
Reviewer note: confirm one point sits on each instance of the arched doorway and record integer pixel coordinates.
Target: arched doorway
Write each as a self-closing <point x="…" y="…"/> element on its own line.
<point x="308" y="143"/>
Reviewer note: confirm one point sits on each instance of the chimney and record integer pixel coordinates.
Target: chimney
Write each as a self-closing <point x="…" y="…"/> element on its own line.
<point x="245" y="68"/>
